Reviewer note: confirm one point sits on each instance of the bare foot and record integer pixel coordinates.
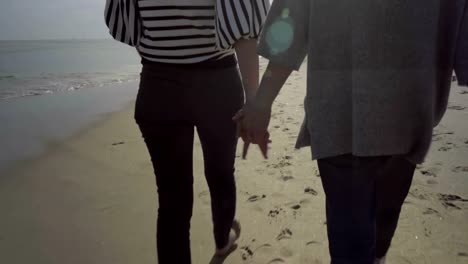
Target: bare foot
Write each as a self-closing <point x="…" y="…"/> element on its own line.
<point x="233" y="237"/>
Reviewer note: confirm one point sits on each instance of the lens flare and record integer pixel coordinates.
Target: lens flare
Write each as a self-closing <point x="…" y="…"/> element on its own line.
<point x="280" y="34"/>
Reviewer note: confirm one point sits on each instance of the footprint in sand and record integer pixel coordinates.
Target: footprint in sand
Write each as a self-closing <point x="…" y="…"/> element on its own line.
<point x="313" y="242"/>
<point x="264" y="246"/>
<point x="456" y="107"/>
<point x="311" y="191"/>
<point x="246" y="253"/>
<point x="438" y="132"/>
<point x="285" y="234"/>
<point x="255" y="198"/>
<point x="205" y="197"/>
<point x="449" y="199"/>
<point x="286" y="177"/>
<point x="430" y="211"/>
<point x="283" y="162"/>
<point x="296" y="207"/>
<point x="430" y="172"/>
<point x="460" y="169"/>
<point x="416" y="193"/>
<point x="448" y="146"/>
<point x="427" y="232"/>
<point x="317" y="173"/>
<point x="276" y="260"/>
<point x="438" y="135"/>
<point x="275" y="212"/>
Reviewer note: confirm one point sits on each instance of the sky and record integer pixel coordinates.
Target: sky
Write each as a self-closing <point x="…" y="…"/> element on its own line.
<point x="58" y="19"/>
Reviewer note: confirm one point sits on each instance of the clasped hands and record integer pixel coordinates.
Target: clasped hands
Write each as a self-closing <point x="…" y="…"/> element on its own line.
<point x="253" y="120"/>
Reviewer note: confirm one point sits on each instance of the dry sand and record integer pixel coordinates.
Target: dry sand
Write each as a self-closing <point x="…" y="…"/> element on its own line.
<point x="92" y="199"/>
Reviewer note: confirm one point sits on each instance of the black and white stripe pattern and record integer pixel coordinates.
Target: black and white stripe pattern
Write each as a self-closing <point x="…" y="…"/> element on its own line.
<point x="179" y="31"/>
<point x="237" y="19"/>
<point x="122" y="19"/>
<point x="183" y="31"/>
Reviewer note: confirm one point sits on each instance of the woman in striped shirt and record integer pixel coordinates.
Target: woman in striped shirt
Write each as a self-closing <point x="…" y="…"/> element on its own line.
<point x="190" y="79"/>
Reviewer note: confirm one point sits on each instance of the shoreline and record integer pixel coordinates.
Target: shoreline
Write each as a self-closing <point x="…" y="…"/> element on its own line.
<point x="34" y="124"/>
<point x="55" y="145"/>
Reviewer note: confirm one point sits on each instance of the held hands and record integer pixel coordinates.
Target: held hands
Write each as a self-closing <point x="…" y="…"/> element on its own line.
<point x="253" y="120"/>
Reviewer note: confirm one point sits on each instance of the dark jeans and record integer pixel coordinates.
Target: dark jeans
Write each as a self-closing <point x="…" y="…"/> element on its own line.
<point x="171" y="103"/>
<point x="364" y="196"/>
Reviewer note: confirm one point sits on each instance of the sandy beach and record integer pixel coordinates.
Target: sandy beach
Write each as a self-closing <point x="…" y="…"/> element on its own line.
<point x="92" y="198"/>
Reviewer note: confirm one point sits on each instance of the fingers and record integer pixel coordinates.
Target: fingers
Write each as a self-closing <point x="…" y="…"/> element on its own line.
<point x="242" y="132"/>
<point x="264" y="145"/>
<point x="238" y="116"/>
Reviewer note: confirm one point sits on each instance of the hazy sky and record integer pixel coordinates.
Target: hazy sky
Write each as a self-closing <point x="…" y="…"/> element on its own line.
<point x="52" y="19"/>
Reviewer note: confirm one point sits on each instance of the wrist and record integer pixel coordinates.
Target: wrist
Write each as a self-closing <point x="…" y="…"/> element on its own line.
<point x="262" y="103"/>
<point x="249" y="98"/>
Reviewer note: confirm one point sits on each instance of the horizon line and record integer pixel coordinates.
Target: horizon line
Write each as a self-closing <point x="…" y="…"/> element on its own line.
<point x="57" y="39"/>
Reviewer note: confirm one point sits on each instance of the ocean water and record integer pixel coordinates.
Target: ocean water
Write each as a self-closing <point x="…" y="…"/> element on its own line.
<point x="32" y="68"/>
<point x="50" y="90"/>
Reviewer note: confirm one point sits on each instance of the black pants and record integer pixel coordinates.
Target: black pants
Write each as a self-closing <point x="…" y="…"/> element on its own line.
<point x="171" y="103"/>
<point x="364" y="196"/>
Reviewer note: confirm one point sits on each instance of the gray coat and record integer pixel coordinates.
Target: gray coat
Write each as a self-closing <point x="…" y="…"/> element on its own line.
<point x="379" y="71"/>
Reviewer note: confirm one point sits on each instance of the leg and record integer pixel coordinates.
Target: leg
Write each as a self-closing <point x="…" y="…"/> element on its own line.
<point x="218" y="136"/>
<point x="219" y="150"/>
<point x="170" y="146"/>
<point x="349" y="184"/>
<point x="392" y="188"/>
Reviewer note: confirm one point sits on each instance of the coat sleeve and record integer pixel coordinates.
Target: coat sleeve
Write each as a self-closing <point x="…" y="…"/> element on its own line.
<point x="461" y="55"/>
<point x="284" y="38"/>
<point x="123" y="20"/>
<point x="239" y="19"/>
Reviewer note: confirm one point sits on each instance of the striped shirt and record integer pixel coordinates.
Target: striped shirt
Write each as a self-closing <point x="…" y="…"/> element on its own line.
<point x="178" y="31"/>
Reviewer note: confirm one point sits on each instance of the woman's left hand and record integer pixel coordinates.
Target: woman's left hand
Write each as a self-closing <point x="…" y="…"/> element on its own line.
<point x="253" y="122"/>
